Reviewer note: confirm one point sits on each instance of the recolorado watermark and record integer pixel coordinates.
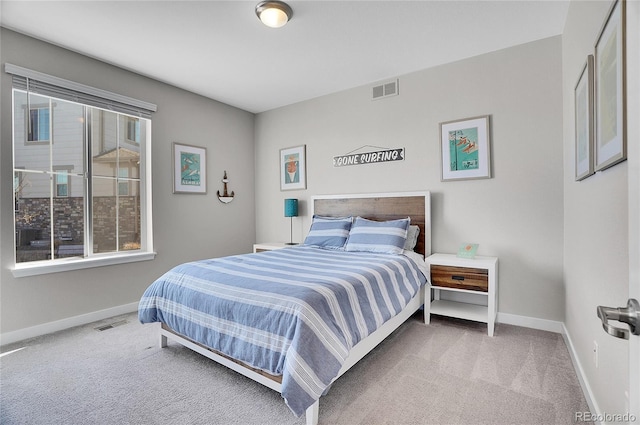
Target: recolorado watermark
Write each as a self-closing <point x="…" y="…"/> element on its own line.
<point x="605" y="417"/>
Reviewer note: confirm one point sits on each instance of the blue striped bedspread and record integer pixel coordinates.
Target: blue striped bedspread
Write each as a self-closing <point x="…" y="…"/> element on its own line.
<point x="294" y="312"/>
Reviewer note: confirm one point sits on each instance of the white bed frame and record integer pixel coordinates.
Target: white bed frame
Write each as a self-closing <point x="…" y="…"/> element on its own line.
<point x="359" y="350"/>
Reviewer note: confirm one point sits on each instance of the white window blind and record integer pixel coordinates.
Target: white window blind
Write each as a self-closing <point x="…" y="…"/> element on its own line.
<point x="49" y="85"/>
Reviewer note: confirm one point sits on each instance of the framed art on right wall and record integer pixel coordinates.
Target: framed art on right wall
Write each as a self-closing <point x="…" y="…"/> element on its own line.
<point x="465" y="149"/>
<point x="583" y="98"/>
<point x="610" y="102"/>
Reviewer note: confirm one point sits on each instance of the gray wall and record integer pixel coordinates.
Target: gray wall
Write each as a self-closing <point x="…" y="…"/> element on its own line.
<point x="517" y="215"/>
<point x="596" y="230"/>
<point x="186" y="227"/>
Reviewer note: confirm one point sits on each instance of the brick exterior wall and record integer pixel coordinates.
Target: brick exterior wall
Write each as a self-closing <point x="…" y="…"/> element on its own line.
<point x="34" y="214"/>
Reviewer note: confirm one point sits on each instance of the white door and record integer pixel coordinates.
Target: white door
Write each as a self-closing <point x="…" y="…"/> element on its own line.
<point x="633" y="156"/>
<point x="633" y="144"/>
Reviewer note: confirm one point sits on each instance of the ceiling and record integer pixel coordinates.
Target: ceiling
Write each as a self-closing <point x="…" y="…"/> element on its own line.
<point x="220" y="49"/>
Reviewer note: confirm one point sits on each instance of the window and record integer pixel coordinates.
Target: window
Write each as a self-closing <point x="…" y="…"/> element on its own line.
<point x="62" y="185"/>
<point x="61" y="180"/>
<point x="82" y="190"/>
<point x="123" y="183"/>
<point x="38" y="125"/>
<point x="133" y="131"/>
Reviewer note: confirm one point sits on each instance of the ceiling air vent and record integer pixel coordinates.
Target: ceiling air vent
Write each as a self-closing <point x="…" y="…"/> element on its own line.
<point x="389" y="88"/>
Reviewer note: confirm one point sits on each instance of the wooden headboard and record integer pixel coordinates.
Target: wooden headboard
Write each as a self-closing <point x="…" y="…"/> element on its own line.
<point x="379" y="207"/>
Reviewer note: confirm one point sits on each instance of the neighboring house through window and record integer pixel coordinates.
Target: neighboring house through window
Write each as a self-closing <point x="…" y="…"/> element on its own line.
<point x="81" y="174"/>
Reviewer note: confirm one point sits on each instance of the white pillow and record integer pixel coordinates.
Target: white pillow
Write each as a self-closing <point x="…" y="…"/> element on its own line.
<point x="412" y="237"/>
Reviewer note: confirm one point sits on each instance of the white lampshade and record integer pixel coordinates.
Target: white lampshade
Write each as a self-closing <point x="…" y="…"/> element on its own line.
<point x="274" y="14"/>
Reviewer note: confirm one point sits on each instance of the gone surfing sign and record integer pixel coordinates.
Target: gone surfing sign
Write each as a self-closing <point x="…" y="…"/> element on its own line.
<point x="387" y="155"/>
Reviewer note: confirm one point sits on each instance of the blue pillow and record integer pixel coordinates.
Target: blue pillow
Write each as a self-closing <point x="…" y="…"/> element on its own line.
<point x="378" y="236"/>
<point x="328" y="232"/>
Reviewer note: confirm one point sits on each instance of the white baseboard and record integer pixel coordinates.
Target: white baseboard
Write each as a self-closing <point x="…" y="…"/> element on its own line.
<point x="530" y="322"/>
<point x="582" y="377"/>
<point x="59" y="325"/>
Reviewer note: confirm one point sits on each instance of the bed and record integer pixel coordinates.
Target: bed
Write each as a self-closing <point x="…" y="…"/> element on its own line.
<point x="313" y="311"/>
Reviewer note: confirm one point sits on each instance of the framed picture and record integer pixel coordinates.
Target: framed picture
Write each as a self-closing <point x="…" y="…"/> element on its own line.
<point x="465" y="149"/>
<point x="610" y="102"/>
<point x="583" y="98"/>
<point x="293" y="168"/>
<point x="189" y="169"/>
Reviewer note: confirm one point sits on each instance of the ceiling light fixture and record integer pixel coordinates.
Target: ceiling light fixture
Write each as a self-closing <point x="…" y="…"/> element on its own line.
<point x="274" y="14"/>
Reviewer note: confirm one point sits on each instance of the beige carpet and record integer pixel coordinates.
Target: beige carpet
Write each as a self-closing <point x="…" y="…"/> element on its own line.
<point x="449" y="372"/>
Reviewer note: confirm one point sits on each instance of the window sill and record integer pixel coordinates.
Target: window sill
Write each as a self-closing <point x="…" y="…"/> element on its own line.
<point x="68" y="264"/>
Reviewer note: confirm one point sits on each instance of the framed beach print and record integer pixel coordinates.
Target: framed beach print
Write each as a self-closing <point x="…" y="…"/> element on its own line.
<point x="465" y="149"/>
<point x="189" y="169"/>
<point x="610" y="102"/>
<point x="583" y="98"/>
<point x="293" y="168"/>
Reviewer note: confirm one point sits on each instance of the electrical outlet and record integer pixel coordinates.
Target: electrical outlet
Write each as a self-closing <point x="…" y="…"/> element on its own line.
<point x="595" y="353"/>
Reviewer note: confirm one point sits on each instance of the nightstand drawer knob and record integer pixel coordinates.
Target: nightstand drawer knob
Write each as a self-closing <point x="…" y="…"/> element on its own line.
<point x="457" y="277"/>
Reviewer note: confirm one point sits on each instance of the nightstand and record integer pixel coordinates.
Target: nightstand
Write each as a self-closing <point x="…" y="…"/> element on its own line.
<point x="476" y="280"/>
<point x="269" y="246"/>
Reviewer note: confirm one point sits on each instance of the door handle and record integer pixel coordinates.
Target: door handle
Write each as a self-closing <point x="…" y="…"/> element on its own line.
<point x="629" y="315"/>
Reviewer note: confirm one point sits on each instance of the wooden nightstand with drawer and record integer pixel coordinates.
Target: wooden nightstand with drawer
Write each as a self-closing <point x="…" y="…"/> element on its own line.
<point x="471" y="285"/>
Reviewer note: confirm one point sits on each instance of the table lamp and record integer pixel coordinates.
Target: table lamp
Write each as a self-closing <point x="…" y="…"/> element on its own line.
<point x="291" y="210"/>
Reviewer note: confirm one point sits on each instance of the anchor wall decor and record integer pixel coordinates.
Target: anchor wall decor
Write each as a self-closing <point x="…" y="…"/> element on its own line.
<point x="225" y="197"/>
